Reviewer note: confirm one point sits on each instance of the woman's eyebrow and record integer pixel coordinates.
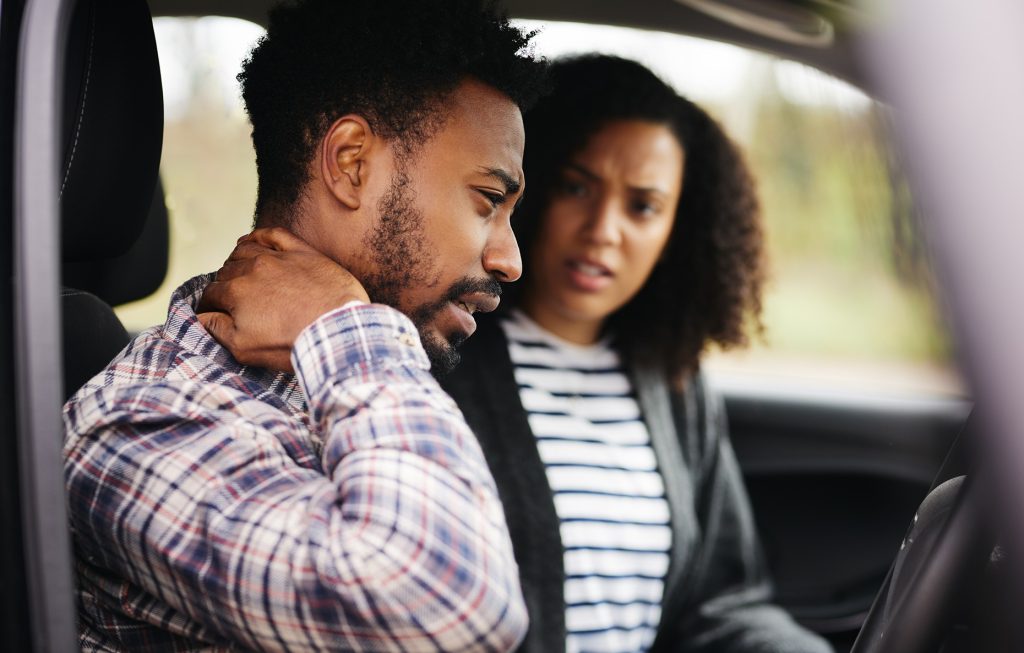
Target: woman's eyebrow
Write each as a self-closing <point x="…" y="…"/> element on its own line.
<point x="583" y="170"/>
<point x="648" y="190"/>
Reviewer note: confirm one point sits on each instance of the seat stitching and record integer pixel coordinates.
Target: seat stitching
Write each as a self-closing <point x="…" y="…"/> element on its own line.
<point x="85" y="97"/>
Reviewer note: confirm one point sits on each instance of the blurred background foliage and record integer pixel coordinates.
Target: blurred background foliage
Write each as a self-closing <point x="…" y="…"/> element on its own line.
<point x="851" y="298"/>
<point x="851" y="276"/>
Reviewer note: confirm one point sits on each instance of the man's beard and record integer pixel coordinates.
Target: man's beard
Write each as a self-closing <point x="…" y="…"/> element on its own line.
<point x="398" y="248"/>
<point x="443" y="353"/>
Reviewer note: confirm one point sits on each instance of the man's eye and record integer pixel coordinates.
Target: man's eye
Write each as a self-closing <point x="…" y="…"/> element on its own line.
<point x="496" y="199"/>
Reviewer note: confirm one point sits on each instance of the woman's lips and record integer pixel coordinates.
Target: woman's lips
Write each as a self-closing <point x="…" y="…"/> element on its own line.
<point x="588" y="276"/>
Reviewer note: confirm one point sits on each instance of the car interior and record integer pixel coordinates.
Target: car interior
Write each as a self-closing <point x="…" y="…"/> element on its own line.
<point x="113" y="225"/>
<point x="835" y="480"/>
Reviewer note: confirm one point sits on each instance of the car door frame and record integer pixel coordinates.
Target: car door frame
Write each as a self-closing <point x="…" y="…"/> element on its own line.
<point x="37" y="355"/>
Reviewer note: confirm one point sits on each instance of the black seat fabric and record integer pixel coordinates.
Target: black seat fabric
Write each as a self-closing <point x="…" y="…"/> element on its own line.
<point x="91" y="341"/>
<point x="113" y="134"/>
<point x="92" y="333"/>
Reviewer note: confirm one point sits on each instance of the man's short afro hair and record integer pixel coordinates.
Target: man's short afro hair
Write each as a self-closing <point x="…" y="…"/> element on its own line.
<point x="391" y="61"/>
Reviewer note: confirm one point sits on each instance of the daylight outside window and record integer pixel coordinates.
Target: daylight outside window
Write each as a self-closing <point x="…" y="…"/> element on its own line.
<point x="850" y="301"/>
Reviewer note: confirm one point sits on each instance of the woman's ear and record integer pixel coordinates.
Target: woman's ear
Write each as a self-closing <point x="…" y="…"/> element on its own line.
<point x="343" y="159"/>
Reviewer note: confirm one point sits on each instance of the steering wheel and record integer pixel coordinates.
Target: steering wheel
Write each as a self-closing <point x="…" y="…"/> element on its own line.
<point x="946" y="545"/>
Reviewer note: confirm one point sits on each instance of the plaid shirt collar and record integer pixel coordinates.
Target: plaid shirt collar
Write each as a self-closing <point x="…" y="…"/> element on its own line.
<point x="183" y="328"/>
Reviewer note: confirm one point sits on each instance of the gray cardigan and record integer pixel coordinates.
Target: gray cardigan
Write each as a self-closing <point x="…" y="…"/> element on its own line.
<point x="717" y="591"/>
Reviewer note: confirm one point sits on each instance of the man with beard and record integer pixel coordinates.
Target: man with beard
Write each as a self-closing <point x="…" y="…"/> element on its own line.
<point x="275" y="467"/>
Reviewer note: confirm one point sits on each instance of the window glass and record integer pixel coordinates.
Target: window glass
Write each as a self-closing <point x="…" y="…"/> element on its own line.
<point x="850" y="297"/>
<point x="849" y="300"/>
<point x="208" y="166"/>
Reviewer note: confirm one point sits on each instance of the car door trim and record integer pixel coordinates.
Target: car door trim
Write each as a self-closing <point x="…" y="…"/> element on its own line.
<point x="37" y="324"/>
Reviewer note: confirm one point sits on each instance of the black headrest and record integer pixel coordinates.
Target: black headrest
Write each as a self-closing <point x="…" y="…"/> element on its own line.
<point x="134" y="275"/>
<point x="113" y="128"/>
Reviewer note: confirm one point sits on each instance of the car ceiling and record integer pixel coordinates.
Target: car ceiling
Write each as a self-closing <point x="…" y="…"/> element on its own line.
<point x="778" y="27"/>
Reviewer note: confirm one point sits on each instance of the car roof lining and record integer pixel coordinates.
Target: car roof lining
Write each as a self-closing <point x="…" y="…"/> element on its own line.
<point x="837" y="58"/>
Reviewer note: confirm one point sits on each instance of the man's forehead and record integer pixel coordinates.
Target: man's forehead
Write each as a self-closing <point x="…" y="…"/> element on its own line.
<point x="477" y="106"/>
<point x="482" y="133"/>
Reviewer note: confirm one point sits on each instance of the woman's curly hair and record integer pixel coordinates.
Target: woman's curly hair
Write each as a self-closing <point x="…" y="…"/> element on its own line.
<point x="708" y="282"/>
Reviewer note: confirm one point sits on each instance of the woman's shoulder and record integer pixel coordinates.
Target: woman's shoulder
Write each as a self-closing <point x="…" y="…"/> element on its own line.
<point x="694" y="407"/>
<point x="486" y="343"/>
<point x="483" y="356"/>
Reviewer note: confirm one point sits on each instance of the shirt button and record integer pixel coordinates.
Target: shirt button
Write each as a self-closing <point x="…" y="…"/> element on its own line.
<point x="407" y="339"/>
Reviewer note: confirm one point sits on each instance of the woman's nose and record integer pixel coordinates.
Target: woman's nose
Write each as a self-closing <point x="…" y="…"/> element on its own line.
<point x="604" y="226"/>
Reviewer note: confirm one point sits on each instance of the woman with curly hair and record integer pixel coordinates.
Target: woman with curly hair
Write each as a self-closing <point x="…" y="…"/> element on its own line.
<point x="641" y="246"/>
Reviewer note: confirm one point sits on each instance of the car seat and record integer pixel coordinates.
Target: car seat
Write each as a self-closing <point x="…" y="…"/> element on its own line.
<point x="114" y="234"/>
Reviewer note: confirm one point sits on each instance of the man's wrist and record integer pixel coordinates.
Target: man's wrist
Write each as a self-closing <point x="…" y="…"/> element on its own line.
<point x="352" y="338"/>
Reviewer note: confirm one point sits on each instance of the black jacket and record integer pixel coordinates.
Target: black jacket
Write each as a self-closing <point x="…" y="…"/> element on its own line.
<point x="716" y="591"/>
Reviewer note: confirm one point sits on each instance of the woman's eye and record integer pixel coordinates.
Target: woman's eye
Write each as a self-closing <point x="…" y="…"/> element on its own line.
<point x="645" y="209"/>
<point x="573" y="188"/>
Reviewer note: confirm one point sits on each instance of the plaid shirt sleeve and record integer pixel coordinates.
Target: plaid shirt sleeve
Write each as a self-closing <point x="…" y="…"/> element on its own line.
<point x="186" y="490"/>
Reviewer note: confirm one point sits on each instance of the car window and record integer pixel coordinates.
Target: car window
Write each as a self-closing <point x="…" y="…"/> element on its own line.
<point x="208" y="167"/>
<point x="850" y="300"/>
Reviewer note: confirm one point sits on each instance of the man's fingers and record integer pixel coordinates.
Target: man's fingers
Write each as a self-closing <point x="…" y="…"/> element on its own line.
<point x="282" y="362"/>
<point x="278" y="238"/>
<point x="222" y="328"/>
<point x="215" y="298"/>
<point x="233" y="269"/>
<point x="260" y="241"/>
<point x="219" y="325"/>
<point x="248" y="249"/>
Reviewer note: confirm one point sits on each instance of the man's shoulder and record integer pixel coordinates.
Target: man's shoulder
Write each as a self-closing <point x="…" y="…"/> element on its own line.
<point x="154" y="375"/>
<point x="149" y="357"/>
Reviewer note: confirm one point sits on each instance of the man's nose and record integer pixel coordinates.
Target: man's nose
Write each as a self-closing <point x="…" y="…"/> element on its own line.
<point x="501" y="256"/>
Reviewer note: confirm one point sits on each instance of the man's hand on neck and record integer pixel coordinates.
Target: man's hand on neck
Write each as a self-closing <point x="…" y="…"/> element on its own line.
<point x="272" y="287"/>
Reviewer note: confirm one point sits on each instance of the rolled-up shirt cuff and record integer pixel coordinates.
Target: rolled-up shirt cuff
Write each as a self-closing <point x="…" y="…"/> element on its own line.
<point x="353" y="338"/>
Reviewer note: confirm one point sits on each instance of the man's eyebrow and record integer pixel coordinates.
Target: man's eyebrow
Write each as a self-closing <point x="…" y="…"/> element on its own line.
<point x="511" y="184"/>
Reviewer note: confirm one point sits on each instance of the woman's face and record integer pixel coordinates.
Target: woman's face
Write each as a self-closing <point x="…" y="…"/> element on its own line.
<point x="606" y="225"/>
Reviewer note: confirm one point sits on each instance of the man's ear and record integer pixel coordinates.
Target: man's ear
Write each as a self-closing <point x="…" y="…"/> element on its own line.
<point x="343" y="160"/>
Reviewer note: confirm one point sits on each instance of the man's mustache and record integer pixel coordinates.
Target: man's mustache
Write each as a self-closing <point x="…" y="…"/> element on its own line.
<point x="489" y="286"/>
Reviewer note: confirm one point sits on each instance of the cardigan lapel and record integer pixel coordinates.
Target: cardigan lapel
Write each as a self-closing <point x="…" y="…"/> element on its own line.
<point x="655" y="401"/>
<point x="485" y="388"/>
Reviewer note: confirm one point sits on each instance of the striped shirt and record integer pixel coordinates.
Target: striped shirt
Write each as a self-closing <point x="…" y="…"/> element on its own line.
<point x="609" y="495"/>
<point x="219" y="507"/>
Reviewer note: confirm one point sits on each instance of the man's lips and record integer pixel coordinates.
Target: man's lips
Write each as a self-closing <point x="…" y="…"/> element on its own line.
<point x="466" y="305"/>
<point x="477" y="301"/>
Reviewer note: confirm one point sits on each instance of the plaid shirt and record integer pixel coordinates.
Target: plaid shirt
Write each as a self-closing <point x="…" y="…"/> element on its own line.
<point x="221" y="507"/>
